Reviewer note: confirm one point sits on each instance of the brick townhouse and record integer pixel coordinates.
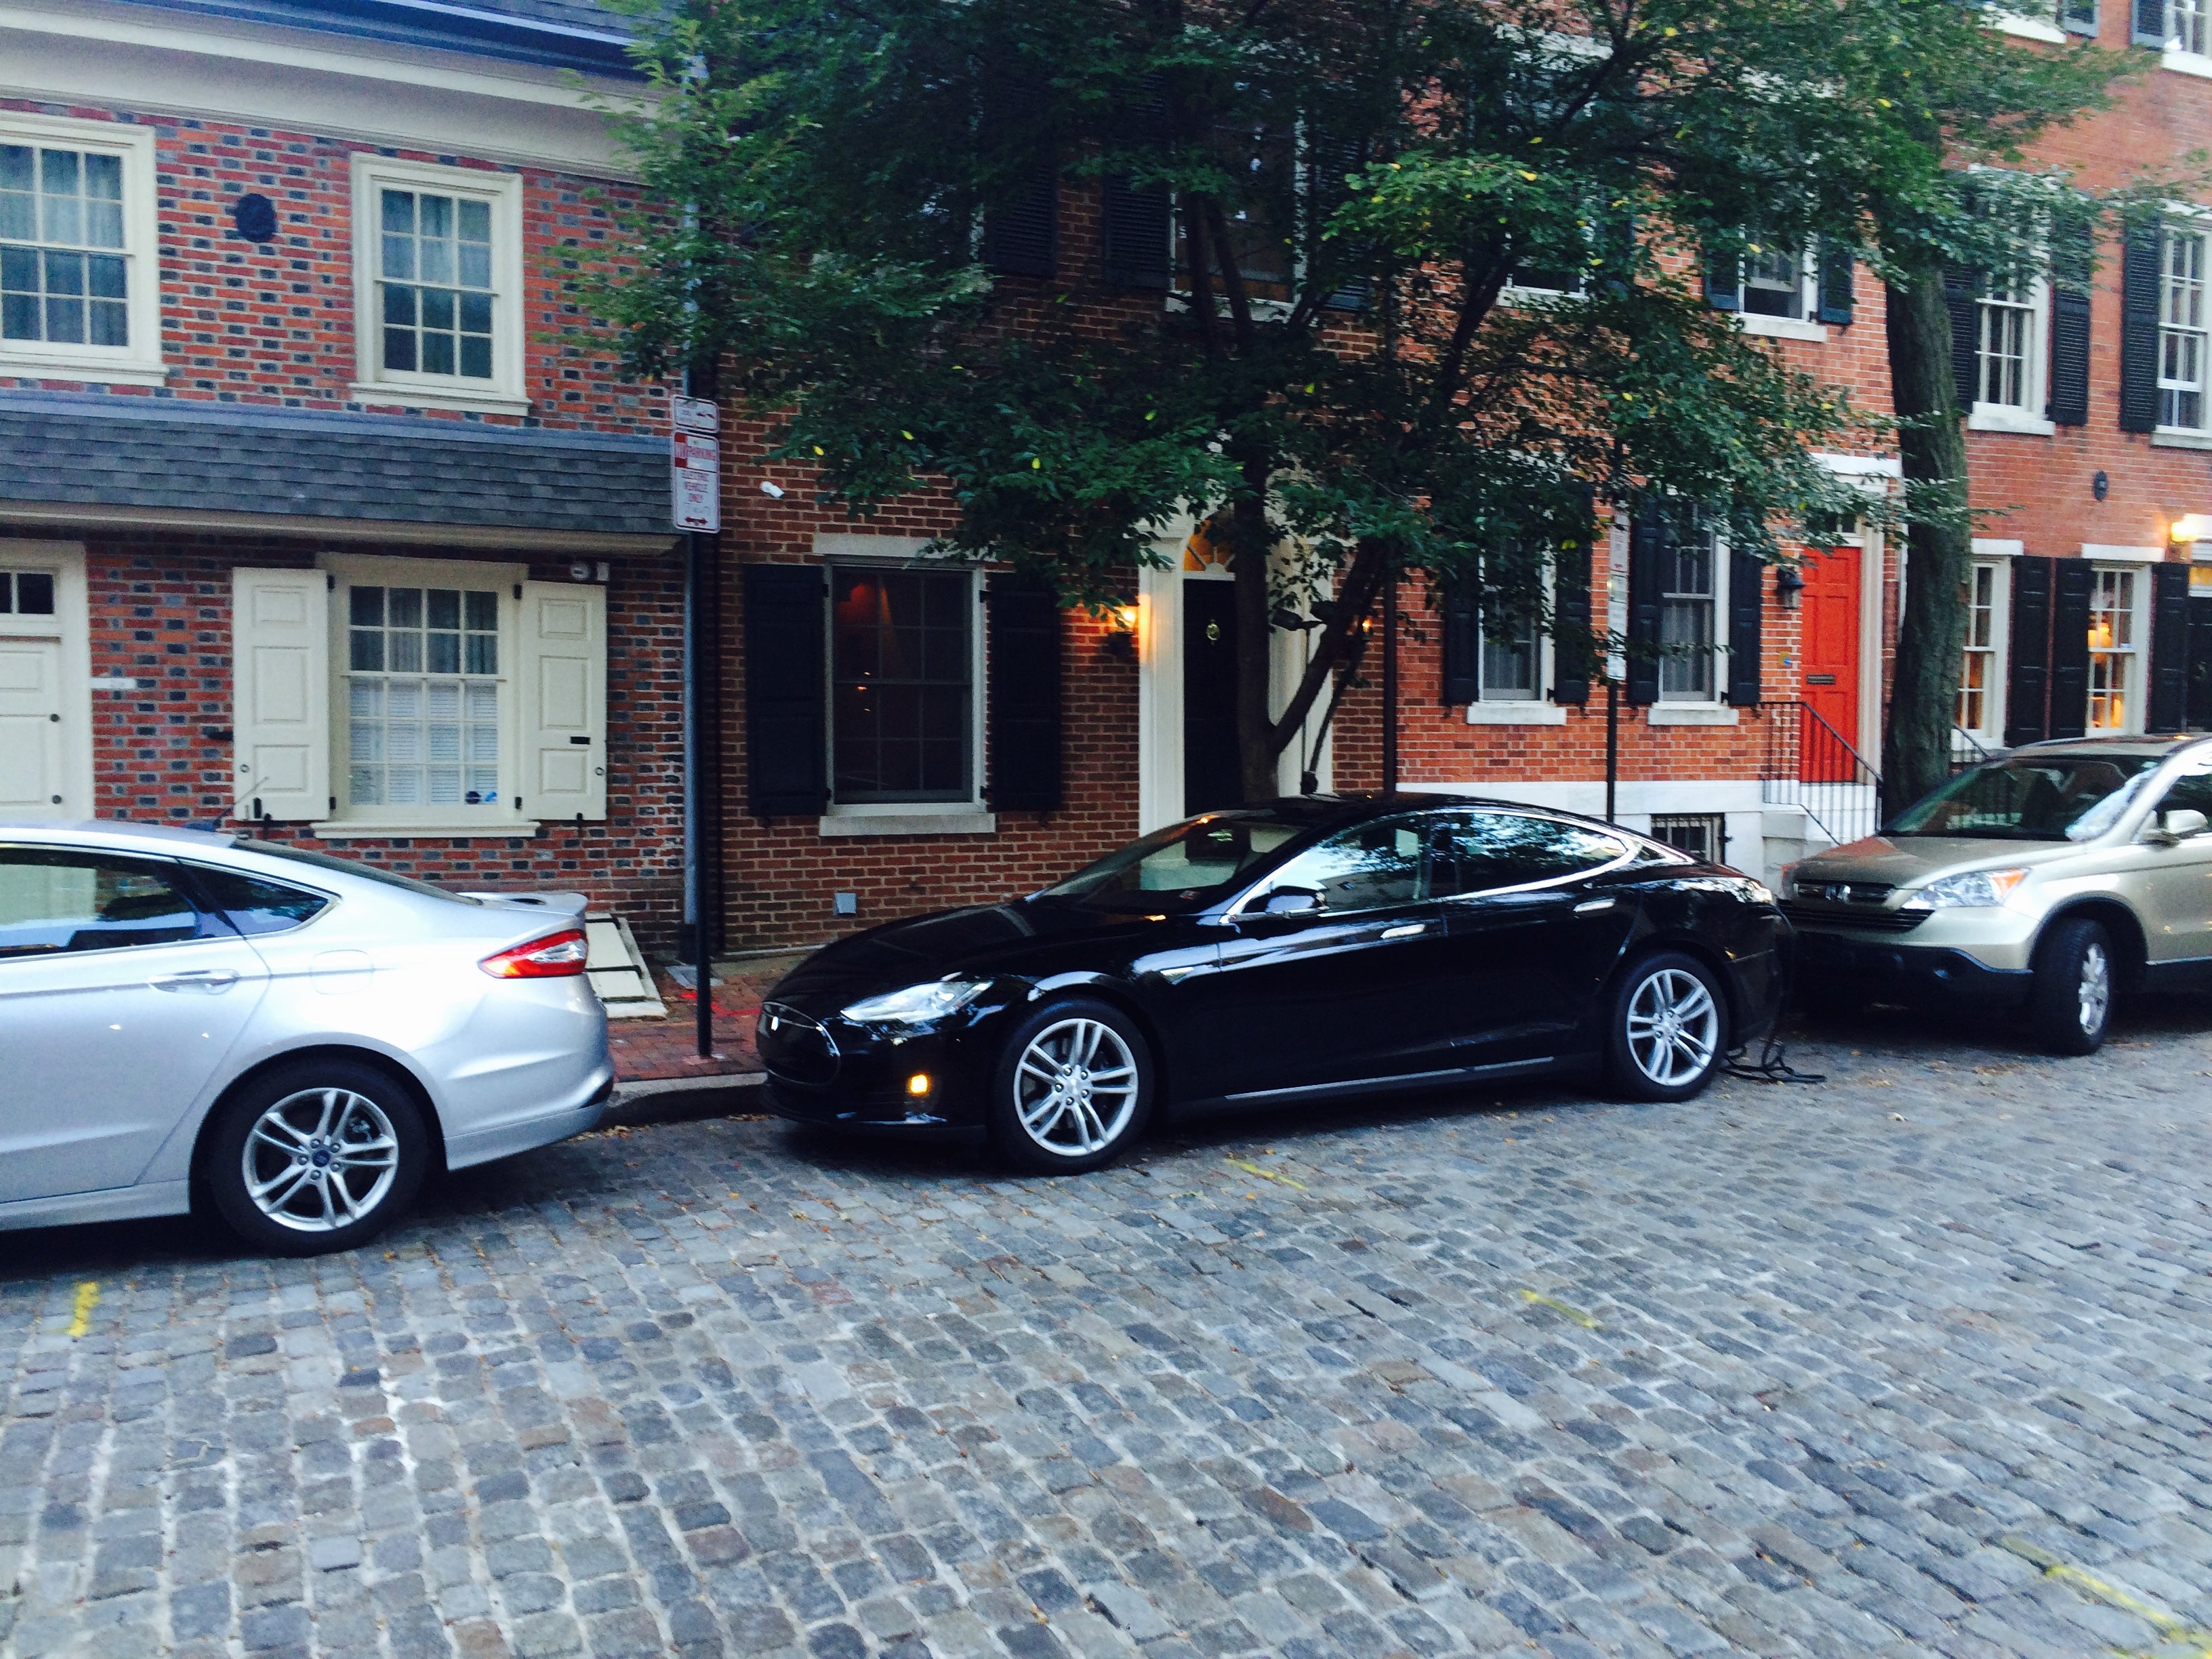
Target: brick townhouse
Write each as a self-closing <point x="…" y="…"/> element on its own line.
<point x="314" y="511"/>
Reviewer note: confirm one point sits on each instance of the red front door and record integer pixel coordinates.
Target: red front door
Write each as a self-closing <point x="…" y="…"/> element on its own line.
<point x="1829" y="650"/>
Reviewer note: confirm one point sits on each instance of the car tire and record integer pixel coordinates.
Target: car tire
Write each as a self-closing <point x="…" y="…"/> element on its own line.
<point x="2070" y="1005"/>
<point x="1667" y="1031"/>
<point x="1073" y="1089"/>
<point x="338" y="1150"/>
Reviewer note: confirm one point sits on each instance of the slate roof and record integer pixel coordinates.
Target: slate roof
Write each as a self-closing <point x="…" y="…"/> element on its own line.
<point x="567" y="33"/>
<point x="91" y="450"/>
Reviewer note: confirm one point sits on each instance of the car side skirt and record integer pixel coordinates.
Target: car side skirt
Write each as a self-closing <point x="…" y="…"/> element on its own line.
<point x="150" y="1198"/>
<point x="1410" y="1082"/>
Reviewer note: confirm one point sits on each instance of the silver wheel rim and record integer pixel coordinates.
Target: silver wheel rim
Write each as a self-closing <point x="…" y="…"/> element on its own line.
<point x="1674" y="1029"/>
<point x="1075" y="1087"/>
<point x="321" y="1159"/>
<point x="2095" y="989"/>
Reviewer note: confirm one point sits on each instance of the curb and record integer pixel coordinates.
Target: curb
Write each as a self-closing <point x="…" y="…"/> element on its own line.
<point x="683" y="1099"/>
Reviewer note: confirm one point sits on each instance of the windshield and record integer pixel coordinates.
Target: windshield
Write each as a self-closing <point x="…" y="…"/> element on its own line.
<point x="346" y="867"/>
<point x="2030" y="798"/>
<point x="1185" y="866"/>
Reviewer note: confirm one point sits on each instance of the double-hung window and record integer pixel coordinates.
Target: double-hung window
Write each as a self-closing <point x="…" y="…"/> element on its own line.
<point x="1690" y="576"/>
<point x="903" y="709"/>
<point x="79" y="288"/>
<point x="422" y="695"/>
<point x="1981" y="690"/>
<point x="2009" y="347"/>
<point x="1776" y="283"/>
<point x="1512" y="660"/>
<point x="2115" y="661"/>
<point x="438" y="285"/>
<point x="2182" y="325"/>
<point x="2189" y="27"/>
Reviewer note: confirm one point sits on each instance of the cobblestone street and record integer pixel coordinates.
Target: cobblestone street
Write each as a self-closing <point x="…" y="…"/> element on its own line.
<point x="1914" y="1361"/>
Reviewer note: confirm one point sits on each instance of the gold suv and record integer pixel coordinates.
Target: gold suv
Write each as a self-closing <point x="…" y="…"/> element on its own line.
<point x="2046" y="879"/>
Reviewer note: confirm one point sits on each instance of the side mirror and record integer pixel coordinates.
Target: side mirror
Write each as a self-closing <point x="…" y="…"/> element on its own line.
<point x="1292" y="900"/>
<point x="2182" y="821"/>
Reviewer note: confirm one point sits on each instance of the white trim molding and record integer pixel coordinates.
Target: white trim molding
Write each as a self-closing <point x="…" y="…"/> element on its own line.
<point x="139" y="362"/>
<point x="502" y="393"/>
<point x="2003" y="418"/>
<point x="1784" y="328"/>
<point x="1528" y="712"/>
<point x="1692" y="714"/>
<point x="1997" y="547"/>
<point x="2102" y="554"/>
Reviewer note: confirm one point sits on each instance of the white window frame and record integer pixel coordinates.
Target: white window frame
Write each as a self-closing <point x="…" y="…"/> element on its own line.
<point x="1807" y="326"/>
<point x="2026" y="415"/>
<point x="2199" y="231"/>
<point x="2135" y="681"/>
<point x="1713" y="700"/>
<point x="1537" y="710"/>
<point x="2189" y="55"/>
<point x="904" y="817"/>
<point x="140" y="363"/>
<point x="505" y="393"/>
<point x="348" y="570"/>
<point x="1990" y="734"/>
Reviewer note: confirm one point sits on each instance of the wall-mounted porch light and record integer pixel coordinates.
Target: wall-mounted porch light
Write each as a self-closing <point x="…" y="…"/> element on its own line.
<point x="2191" y="528"/>
<point x="1122" y="624"/>
<point x="1788" y="587"/>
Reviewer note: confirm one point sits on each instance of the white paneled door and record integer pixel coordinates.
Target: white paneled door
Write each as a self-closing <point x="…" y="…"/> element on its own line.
<point x="32" y="784"/>
<point x="46" y="699"/>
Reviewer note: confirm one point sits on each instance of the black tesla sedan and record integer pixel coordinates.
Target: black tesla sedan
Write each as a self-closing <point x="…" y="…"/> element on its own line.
<point x="1268" y="956"/>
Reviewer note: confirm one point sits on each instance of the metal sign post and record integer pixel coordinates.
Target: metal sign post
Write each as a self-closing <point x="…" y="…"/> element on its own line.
<point x="694" y="476"/>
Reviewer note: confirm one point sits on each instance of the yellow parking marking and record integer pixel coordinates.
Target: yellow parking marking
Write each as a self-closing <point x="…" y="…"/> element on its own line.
<point x="1559" y="1307"/>
<point x="2195" y="1640"/>
<point x="1266" y="1174"/>
<point x="88" y="1293"/>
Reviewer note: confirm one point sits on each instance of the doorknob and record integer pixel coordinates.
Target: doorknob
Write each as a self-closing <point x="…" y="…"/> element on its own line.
<point x="1589" y="906"/>
<point x="1406" y="932"/>
<point x="210" y="979"/>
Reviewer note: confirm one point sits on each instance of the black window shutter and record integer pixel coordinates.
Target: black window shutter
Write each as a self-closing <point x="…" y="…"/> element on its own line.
<point x="1837" y="260"/>
<point x="1135" y="224"/>
<point x="2139" y="283"/>
<point x="2070" y="332"/>
<point x="1746" y="603"/>
<point x="1024" y="698"/>
<point x="2070" y="647"/>
<point x="1330" y="160"/>
<point x="2027" y="678"/>
<point x="2169" y="648"/>
<point x="786" y="736"/>
<point x="2150" y="23"/>
<point x="1959" y="288"/>
<point x="1020" y="234"/>
<point x="2079" y="15"/>
<point x="1572" y="650"/>
<point x="1725" y="277"/>
<point x="1459" y="606"/>
<point x="1649" y="537"/>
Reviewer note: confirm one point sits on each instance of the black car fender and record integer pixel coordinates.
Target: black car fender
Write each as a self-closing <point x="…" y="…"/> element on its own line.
<point x="1124" y="998"/>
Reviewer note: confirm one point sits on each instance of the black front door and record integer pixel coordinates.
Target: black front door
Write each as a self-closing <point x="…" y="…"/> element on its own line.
<point x="1211" y="775"/>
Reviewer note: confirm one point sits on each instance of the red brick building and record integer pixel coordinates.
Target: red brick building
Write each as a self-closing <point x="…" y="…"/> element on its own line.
<point x="316" y="510"/>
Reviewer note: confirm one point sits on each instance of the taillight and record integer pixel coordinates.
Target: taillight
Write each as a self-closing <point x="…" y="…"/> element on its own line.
<point x="553" y="956"/>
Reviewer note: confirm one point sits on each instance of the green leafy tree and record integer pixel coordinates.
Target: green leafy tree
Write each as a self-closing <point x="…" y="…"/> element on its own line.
<point x="823" y="181"/>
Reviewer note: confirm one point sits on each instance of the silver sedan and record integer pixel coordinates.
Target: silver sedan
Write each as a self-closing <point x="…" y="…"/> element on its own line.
<point x="293" y="1039"/>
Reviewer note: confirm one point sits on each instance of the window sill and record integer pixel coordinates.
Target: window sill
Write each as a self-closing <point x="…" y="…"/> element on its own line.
<point x="1510" y="296"/>
<point x="1262" y="310"/>
<point x="2187" y="63"/>
<point x="2028" y="29"/>
<point x="2003" y="418"/>
<point x="2110" y="553"/>
<point x="382" y="396"/>
<point x="960" y="821"/>
<point x="1516" y="714"/>
<point x="2171" y="438"/>
<point x="93" y="371"/>
<point x="1997" y="547"/>
<point x="1783" y="328"/>
<point x="356" y="829"/>
<point x="1692" y="714"/>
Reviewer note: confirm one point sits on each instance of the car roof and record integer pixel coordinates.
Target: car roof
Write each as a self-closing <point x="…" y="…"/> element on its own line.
<point x="119" y="833"/>
<point x="1334" y="810"/>
<point x="2145" y="746"/>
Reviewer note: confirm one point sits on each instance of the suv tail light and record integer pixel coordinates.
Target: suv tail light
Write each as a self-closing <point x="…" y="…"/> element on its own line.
<point x="554" y="957"/>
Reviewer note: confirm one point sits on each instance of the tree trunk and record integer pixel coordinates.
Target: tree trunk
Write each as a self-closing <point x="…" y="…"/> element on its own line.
<point x="1255" y="746"/>
<point x="1931" y="635"/>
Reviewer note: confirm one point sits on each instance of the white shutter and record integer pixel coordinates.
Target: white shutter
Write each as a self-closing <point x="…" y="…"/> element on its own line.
<point x="280" y="656"/>
<point x="564" y="681"/>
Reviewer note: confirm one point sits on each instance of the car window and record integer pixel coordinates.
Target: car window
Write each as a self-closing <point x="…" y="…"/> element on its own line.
<point x="1181" y="867"/>
<point x="1480" y="852"/>
<point x="254" y="904"/>
<point x="52" y="900"/>
<point x="2029" y="796"/>
<point x="355" y="867"/>
<point x="1366" y="868"/>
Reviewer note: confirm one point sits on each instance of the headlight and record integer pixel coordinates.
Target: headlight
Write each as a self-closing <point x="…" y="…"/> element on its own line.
<point x="1757" y="892"/>
<point x="1978" y="888"/>
<point x="916" y="1003"/>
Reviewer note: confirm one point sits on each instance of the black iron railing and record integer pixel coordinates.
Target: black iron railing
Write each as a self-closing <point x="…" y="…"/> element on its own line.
<point x="1810" y="766"/>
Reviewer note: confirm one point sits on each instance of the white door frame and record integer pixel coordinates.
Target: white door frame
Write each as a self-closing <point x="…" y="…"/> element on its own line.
<point x="1159" y="686"/>
<point x="71" y="624"/>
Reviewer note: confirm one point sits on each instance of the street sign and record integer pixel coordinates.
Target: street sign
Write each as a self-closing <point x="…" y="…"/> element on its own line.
<point x="694" y="464"/>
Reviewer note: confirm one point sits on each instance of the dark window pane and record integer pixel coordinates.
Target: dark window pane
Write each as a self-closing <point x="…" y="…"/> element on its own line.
<point x="445" y="607"/>
<point x="476" y="313"/>
<point x="19" y="317"/>
<point x="365" y="607"/>
<point x="445" y="653"/>
<point x="65" y="320"/>
<point x="254" y="905"/>
<point x="1366" y="868"/>
<point x="483" y="654"/>
<point x="54" y="901"/>
<point x="484" y="611"/>
<point x="476" y="357"/>
<point x="368" y="654"/>
<point x="399" y="305"/>
<point x="64" y="272"/>
<point x="437" y="307"/>
<point x="437" y="354"/>
<point x="399" y="349"/>
<point x="34" y="593"/>
<point x="111" y="324"/>
<point x="103" y="275"/>
<point x="900" y="700"/>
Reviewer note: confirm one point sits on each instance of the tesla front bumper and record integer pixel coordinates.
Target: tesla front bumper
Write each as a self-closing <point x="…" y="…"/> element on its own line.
<point x="838" y="1072"/>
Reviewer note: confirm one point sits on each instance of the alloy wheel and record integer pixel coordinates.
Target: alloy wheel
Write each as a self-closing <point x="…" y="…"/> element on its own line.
<point x="1673" y="1028"/>
<point x="321" y="1159"/>
<point x="1075" y="1087"/>
<point x="2094" y="992"/>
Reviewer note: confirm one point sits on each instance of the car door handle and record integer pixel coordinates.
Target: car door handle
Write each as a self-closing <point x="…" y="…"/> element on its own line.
<point x="210" y="979"/>
<point x="1590" y="906"/>
<point x="1406" y="931"/>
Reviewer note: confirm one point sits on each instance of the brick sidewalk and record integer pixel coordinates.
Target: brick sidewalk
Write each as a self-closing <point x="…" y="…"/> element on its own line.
<point x="655" y="1048"/>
